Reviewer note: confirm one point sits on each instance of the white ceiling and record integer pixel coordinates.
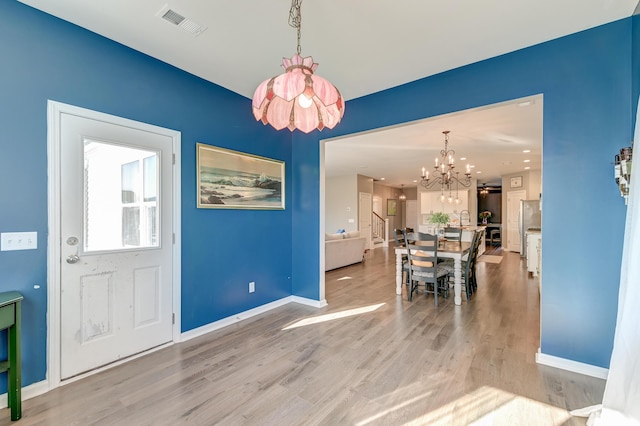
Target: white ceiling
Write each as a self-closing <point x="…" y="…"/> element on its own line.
<point x="492" y="139"/>
<point x="361" y="46"/>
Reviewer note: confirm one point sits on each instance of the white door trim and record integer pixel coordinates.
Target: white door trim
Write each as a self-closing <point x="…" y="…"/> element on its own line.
<point x="364" y="210"/>
<point x="54" y="112"/>
<point x="511" y="246"/>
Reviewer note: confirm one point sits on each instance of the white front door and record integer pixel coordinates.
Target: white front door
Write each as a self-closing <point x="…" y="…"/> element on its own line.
<point x="116" y="228"/>
<point x="513" y="219"/>
<point x="364" y="217"/>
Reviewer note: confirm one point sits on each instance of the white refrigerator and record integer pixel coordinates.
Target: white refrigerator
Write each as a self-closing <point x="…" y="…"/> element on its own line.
<point x="530" y="217"/>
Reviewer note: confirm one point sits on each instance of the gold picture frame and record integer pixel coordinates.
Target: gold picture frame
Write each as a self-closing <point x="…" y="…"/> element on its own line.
<point x="229" y="179"/>
<point x="392" y="206"/>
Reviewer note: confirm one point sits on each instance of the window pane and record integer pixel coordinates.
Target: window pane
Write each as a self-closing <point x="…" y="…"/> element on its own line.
<point x="130" y="173"/>
<point x="152" y="228"/>
<point x="131" y="226"/>
<point x="150" y="179"/>
<point x="121" y="197"/>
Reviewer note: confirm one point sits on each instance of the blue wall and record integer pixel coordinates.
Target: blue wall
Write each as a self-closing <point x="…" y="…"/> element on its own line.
<point x="586" y="82"/>
<point x="46" y="58"/>
<point x="635" y="58"/>
<point x="586" y="79"/>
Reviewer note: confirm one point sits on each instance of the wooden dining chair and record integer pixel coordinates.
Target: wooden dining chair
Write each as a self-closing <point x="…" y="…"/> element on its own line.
<point x="398" y="236"/>
<point x="475" y="250"/>
<point x="423" y="265"/>
<point x="469" y="265"/>
<point x="453" y="234"/>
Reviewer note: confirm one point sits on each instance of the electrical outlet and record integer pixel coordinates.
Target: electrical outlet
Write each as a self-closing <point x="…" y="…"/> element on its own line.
<point x="18" y="241"/>
<point x="252" y="286"/>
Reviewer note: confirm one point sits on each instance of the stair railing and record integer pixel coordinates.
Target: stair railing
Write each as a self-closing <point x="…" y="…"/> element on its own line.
<point x="380" y="229"/>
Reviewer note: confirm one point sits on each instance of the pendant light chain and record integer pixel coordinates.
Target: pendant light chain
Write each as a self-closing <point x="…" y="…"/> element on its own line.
<point x="295" y="19"/>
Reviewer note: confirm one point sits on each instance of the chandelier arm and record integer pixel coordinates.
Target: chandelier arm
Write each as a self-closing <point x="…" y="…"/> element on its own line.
<point x="431" y="182"/>
<point x="466" y="183"/>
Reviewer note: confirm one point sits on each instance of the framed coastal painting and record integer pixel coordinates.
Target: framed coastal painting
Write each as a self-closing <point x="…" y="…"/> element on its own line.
<point x="236" y="180"/>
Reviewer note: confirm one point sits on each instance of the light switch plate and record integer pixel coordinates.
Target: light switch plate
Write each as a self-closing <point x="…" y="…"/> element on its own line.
<point x="18" y="241"/>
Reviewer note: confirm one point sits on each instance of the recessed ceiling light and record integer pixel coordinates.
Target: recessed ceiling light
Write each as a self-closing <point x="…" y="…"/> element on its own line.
<point x="381" y="178"/>
<point x="478" y="172"/>
<point x="471" y="166"/>
<point x="463" y="158"/>
<point x="527" y="168"/>
<point x="526" y="150"/>
<point x="526" y="103"/>
<point x="527" y="161"/>
<point x="415" y="181"/>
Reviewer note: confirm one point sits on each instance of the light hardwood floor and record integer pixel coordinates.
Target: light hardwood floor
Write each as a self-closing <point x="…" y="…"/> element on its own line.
<point x="400" y="363"/>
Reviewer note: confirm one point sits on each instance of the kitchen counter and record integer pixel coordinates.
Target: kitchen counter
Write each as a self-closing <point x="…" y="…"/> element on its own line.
<point x="534" y="248"/>
<point x="467" y="233"/>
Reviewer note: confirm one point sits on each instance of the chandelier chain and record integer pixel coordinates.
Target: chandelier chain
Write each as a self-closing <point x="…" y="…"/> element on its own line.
<point x="295" y="20"/>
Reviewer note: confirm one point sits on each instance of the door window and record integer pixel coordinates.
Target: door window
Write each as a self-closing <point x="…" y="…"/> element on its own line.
<point x="120" y="197"/>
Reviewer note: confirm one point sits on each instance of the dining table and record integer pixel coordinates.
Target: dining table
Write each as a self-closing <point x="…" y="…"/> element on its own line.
<point x="455" y="250"/>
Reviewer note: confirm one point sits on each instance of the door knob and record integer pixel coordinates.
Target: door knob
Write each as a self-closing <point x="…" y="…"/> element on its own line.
<point x="73" y="258"/>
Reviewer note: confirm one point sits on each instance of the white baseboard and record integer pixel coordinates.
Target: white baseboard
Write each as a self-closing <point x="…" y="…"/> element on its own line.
<point x="28" y="392"/>
<point x="208" y="328"/>
<point x="574" y="366"/>
<point x="309" y="302"/>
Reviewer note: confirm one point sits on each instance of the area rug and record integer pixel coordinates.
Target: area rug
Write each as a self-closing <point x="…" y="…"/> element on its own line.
<point x="489" y="258"/>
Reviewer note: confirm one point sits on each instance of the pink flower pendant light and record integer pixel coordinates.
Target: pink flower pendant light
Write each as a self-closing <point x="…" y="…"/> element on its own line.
<point x="298" y="99"/>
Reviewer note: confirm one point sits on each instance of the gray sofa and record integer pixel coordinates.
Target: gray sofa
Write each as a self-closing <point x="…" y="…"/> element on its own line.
<point x="343" y="249"/>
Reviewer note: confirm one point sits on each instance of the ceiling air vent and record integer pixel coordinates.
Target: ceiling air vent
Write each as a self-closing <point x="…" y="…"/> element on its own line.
<point x="173" y="17"/>
<point x="180" y="21"/>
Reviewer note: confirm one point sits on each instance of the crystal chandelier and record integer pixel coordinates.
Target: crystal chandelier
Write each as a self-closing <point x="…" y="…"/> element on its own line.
<point x="444" y="174"/>
<point x="298" y="99"/>
<point x="402" y="195"/>
<point x="484" y="190"/>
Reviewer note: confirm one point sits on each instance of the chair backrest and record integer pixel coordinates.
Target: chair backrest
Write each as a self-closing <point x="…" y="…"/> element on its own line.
<point x="407" y="231"/>
<point x="476" y="244"/>
<point x="453" y="234"/>
<point x="398" y="236"/>
<point x="422" y="250"/>
<point x="475" y="247"/>
<point x="473" y="251"/>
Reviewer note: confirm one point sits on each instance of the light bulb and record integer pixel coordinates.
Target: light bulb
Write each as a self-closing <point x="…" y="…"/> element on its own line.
<point x="303" y="101"/>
